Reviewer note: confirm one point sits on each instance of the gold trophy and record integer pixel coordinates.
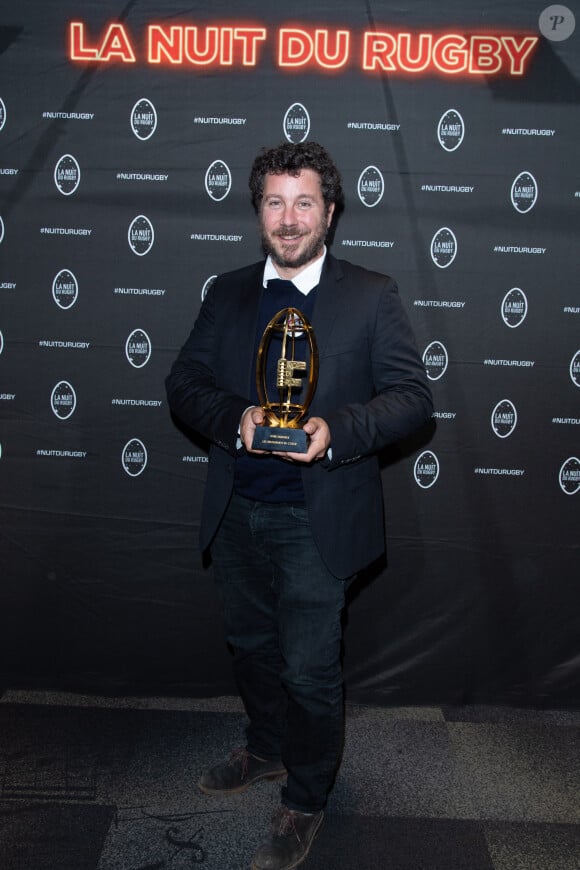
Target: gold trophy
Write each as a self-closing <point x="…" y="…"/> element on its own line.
<point x="282" y="427"/>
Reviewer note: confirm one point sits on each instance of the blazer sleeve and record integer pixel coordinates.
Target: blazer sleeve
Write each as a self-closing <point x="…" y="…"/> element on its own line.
<point x="194" y="392"/>
<point x="400" y="401"/>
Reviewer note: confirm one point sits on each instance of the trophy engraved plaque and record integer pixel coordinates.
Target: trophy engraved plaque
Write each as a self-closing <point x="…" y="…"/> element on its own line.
<point x="277" y="387"/>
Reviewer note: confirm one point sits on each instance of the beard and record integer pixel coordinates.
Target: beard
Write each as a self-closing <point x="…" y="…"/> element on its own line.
<point x="303" y="256"/>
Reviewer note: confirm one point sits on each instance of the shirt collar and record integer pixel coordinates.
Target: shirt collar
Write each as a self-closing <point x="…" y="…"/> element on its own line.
<point x="305" y="281"/>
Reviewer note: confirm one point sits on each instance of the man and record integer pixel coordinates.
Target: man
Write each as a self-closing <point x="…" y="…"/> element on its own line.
<point x="288" y="533"/>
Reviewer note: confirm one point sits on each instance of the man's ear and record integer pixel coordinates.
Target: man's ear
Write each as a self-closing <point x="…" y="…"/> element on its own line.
<point x="329" y="214"/>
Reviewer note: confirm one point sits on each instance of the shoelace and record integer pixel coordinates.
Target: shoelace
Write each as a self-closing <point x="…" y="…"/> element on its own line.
<point x="240" y="756"/>
<point x="284" y="823"/>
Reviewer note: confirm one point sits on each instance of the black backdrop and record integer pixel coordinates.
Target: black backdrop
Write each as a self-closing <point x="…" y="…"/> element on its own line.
<point x="124" y="155"/>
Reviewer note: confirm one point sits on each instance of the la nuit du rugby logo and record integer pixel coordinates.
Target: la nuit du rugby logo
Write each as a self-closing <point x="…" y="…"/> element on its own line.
<point x="206" y="287"/>
<point x="435" y="360"/>
<point x="504" y="418"/>
<point x="138" y="348"/>
<point x="143" y="119"/>
<point x="443" y="247"/>
<point x="134" y="457"/>
<point x="67" y="175"/>
<point x="2" y="113"/>
<point x="575" y="369"/>
<point x="514" y="307"/>
<point x="426" y="470"/>
<point x="63" y="400"/>
<point x="371" y="186"/>
<point x="218" y="180"/>
<point x="65" y="289"/>
<point x="450" y="130"/>
<point x="569" y="476"/>
<point x="524" y="192"/>
<point x="296" y="123"/>
<point x="141" y="235"/>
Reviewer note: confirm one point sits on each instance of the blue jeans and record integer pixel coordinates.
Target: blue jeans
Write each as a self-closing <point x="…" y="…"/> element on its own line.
<point x="282" y="611"/>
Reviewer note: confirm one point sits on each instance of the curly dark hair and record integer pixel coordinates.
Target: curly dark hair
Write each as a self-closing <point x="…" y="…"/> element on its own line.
<point x="291" y="158"/>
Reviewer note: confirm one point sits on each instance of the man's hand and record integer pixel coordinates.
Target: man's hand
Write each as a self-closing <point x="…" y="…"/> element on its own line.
<point x="319" y="433"/>
<point x="251" y="418"/>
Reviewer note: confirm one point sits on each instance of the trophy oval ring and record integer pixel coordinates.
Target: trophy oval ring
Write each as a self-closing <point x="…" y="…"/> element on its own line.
<point x="284" y="414"/>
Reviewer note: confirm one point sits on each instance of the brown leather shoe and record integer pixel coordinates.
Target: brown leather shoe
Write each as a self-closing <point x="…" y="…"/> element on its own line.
<point x="291" y="838"/>
<point x="239" y="772"/>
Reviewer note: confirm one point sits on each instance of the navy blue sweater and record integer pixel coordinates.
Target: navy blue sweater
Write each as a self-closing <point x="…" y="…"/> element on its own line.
<point x="269" y="478"/>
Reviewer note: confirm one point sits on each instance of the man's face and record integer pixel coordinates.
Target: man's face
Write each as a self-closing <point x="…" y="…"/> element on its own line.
<point x="293" y="220"/>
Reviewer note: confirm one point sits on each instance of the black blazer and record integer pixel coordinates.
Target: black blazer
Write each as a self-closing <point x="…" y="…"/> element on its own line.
<point x="372" y="391"/>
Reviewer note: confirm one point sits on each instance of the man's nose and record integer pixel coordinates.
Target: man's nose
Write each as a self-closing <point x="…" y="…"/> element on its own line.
<point x="288" y="216"/>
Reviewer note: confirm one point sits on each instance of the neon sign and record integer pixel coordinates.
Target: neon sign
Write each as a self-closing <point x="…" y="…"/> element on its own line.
<point x="295" y="48"/>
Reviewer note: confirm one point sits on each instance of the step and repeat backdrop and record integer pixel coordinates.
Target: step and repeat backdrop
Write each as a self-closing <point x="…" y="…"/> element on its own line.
<point x="127" y="131"/>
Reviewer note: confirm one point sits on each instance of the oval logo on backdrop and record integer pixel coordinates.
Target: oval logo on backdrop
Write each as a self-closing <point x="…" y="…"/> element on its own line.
<point x="2" y="113"/>
<point x="296" y="123"/>
<point x="435" y="360"/>
<point x="371" y="186"/>
<point x="575" y="369"/>
<point x="524" y="192"/>
<point x="450" y="130"/>
<point x="218" y="180"/>
<point x="143" y="119"/>
<point x="141" y="235"/>
<point x="504" y="418"/>
<point x="514" y="307"/>
<point x="1" y="342"/>
<point x="570" y="476"/>
<point x="63" y="400"/>
<point x="65" y="289"/>
<point x="67" y="175"/>
<point x="443" y="247"/>
<point x="138" y="348"/>
<point x="134" y="457"/>
<point x="426" y="470"/>
<point x="1" y="230"/>
<point x="207" y="285"/>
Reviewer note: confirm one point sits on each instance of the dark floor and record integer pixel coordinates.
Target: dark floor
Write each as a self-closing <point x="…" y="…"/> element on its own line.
<point x="90" y="783"/>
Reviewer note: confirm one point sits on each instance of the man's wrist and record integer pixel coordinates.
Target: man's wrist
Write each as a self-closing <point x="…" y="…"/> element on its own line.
<point x="239" y="442"/>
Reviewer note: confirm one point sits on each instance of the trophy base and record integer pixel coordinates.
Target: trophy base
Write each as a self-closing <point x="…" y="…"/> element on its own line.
<point x="275" y="438"/>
